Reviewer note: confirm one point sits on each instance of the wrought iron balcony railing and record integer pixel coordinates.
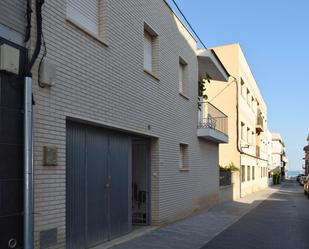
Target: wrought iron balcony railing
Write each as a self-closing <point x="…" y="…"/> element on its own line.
<point x="259" y="121"/>
<point x="211" y="117"/>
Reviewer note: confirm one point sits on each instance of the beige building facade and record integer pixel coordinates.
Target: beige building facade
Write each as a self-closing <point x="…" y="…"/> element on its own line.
<point x="248" y="132"/>
<point x="279" y="156"/>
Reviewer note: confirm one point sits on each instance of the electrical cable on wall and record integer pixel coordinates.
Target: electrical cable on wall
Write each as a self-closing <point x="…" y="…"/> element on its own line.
<point x="187" y="21"/>
<point x="39" y="20"/>
<point x="41" y="61"/>
<point x="217" y="95"/>
<point x="28" y="18"/>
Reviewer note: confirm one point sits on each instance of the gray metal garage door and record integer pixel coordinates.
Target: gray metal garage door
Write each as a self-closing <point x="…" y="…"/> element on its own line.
<point x="98" y="195"/>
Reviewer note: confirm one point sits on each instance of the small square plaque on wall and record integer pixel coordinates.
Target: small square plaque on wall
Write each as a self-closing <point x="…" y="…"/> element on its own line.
<point x="50" y="156"/>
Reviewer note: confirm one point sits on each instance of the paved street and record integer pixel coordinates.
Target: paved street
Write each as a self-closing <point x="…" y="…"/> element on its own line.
<point x="282" y="221"/>
<point x="270" y="219"/>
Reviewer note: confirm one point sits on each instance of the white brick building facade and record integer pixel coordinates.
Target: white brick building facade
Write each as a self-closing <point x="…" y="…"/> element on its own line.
<point x="101" y="81"/>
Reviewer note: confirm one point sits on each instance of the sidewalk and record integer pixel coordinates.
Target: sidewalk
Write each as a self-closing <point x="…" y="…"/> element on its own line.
<point x="194" y="232"/>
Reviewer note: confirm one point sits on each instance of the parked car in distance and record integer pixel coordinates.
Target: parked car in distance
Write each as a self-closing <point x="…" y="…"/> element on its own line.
<point x="302" y="180"/>
<point x="299" y="176"/>
<point x="306" y="187"/>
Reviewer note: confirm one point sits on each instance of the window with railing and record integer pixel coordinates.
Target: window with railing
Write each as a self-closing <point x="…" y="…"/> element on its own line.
<point x="211" y="117"/>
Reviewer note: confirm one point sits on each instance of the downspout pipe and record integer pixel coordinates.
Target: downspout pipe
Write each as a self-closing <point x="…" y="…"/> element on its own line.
<point x="28" y="167"/>
<point x="28" y="131"/>
<point x="237" y="130"/>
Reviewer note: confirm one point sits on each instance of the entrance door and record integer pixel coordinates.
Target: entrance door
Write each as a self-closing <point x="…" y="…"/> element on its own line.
<point x="98" y="195"/>
<point x="11" y="159"/>
<point x="140" y="182"/>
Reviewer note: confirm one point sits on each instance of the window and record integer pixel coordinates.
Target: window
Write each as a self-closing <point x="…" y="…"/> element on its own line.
<point x="242" y="134"/>
<point x="252" y="136"/>
<point x="248" y="173"/>
<point x="242" y="87"/>
<point x="252" y="103"/>
<point x="148" y="52"/>
<point x="248" y="136"/>
<point x="253" y="172"/>
<point x="243" y="173"/>
<point x="183" y="157"/>
<point x="248" y="96"/>
<point x="85" y="14"/>
<point x="182" y="79"/>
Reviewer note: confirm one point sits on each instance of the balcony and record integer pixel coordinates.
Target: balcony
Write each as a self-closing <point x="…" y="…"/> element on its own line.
<point x="259" y="124"/>
<point x="213" y="124"/>
<point x="210" y="64"/>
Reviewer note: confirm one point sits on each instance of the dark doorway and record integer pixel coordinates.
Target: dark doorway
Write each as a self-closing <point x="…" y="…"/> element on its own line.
<point x="140" y="182"/>
<point x="11" y="156"/>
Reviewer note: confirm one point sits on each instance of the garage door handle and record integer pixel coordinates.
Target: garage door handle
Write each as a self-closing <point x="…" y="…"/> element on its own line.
<point x="12" y="243"/>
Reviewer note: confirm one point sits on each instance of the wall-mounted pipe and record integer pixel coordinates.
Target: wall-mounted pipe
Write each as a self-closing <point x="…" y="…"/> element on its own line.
<point x="28" y="166"/>
<point x="28" y="128"/>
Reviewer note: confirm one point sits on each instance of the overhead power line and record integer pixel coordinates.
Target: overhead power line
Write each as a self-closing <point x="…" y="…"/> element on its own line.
<point x="187" y="21"/>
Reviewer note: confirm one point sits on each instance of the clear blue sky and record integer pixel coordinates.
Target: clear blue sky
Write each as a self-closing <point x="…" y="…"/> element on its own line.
<point x="274" y="35"/>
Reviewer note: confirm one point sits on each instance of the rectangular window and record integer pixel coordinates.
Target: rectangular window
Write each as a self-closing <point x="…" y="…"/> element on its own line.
<point x="248" y="96"/>
<point x="242" y="134"/>
<point x="182" y="77"/>
<point x="252" y="136"/>
<point x="248" y="173"/>
<point x="183" y="157"/>
<point x="151" y="51"/>
<point x="148" y="52"/>
<point x="243" y="173"/>
<point x="253" y="172"/>
<point x="248" y="136"/>
<point x="242" y="87"/>
<point x="252" y="103"/>
<point x="85" y="14"/>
